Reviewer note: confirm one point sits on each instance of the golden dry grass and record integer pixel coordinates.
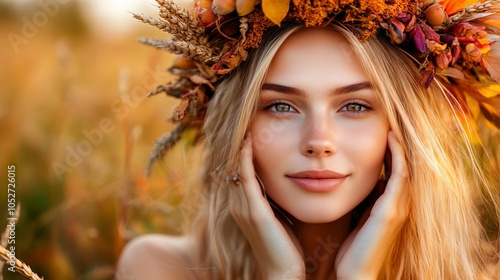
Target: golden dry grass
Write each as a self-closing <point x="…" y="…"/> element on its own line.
<point x="65" y="84"/>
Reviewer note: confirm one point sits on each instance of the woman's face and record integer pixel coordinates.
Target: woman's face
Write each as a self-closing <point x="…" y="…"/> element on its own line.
<point x="320" y="134"/>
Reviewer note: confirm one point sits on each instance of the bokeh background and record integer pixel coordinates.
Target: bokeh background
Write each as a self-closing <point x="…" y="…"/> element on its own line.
<point x="75" y="122"/>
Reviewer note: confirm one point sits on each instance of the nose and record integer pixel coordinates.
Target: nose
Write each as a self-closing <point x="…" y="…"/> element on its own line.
<point x="318" y="139"/>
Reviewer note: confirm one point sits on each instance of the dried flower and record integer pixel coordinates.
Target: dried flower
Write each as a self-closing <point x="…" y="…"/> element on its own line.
<point x="448" y="38"/>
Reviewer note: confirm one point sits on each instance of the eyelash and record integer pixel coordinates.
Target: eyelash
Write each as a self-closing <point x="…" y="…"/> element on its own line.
<point x="276" y="103"/>
<point x="364" y="106"/>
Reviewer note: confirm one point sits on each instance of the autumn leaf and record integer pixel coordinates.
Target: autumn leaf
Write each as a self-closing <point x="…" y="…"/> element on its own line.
<point x="453" y="6"/>
<point x="491" y="62"/>
<point x="181" y="109"/>
<point x="490" y="90"/>
<point x="275" y="10"/>
<point x="197" y="79"/>
<point x="469" y="118"/>
<point x="491" y="114"/>
<point x="453" y="72"/>
<point x="492" y="19"/>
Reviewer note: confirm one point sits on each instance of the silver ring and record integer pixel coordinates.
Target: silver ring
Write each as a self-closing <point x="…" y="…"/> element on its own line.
<point x="234" y="179"/>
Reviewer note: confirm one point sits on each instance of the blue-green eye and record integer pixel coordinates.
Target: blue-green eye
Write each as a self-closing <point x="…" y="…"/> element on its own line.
<point x="280" y="107"/>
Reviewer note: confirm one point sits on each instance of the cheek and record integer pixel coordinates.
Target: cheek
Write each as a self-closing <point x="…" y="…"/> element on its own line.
<point x="269" y="131"/>
<point x="366" y="150"/>
<point x="271" y="135"/>
<point x="272" y="144"/>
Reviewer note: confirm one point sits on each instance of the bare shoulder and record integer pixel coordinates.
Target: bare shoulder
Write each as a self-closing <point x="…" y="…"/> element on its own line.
<point x="156" y="256"/>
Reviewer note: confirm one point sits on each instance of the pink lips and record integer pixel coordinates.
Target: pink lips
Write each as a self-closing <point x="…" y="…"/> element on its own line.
<point x="317" y="181"/>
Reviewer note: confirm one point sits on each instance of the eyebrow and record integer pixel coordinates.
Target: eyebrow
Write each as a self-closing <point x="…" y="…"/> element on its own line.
<point x="295" y="91"/>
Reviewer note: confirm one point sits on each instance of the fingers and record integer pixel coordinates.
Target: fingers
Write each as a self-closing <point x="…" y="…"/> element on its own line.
<point x="247" y="204"/>
<point x="392" y="205"/>
<point x="399" y="171"/>
<point x="372" y="240"/>
<point x="246" y="166"/>
<point x="399" y="167"/>
<point x="250" y="184"/>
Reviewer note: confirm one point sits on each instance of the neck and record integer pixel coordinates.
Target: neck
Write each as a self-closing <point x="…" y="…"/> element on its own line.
<point x="320" y="244"/>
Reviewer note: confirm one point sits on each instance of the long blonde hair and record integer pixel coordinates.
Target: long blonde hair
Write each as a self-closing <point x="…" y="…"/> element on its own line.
<point x="443" y="237"/>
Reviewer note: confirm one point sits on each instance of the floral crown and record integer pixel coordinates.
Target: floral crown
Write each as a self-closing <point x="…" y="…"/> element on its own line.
<point x="455" y="41"/>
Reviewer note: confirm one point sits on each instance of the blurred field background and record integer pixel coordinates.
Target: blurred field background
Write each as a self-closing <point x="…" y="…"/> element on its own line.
<point x="75" y="123"/>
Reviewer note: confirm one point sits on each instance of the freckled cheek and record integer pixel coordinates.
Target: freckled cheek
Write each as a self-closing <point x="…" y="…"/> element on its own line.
<point x="268" y="134"/>
<point x="272" y="142"/>
<point x="366" y="147"/>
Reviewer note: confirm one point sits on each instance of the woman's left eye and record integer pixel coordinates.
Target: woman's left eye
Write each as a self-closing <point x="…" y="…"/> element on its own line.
<point x="280" y="107"/>
<point x="355" y="107"/>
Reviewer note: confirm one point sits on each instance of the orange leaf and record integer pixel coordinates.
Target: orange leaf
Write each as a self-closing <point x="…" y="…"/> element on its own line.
<point x="492" y="19"/>
<point x="453" y="6"/>
<point x="275" y="10"/>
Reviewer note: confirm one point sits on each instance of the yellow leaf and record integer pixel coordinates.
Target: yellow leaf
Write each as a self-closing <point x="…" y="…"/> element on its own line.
<point x="490" y="91"/>
<point x="469" y="120"/>
<point x="275" y="10"/>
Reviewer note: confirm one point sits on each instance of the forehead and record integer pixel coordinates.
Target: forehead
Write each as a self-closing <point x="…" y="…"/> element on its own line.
<point x="316" y="55"/>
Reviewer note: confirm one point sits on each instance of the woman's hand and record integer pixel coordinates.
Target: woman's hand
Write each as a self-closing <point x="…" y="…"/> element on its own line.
<point x="271" y="241"/>
<point x="362" y="254"/>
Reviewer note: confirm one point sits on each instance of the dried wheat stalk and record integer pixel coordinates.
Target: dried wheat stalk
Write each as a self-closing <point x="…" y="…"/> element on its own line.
<point x="163" y="144"/>
<point x="163" y="26"/>
<point x="195" y="52"/>
<point x="181" y="24"/>
<point x="470" y="11"/>
<point x="6" y="234"/>
<point x="160" y="89"/>
<point x="172" y="8"/>
<point x="182" y="21"/>
<point x="185" y="27"/>
<point x="175" y="89"/>
<point x="20" y="266"/>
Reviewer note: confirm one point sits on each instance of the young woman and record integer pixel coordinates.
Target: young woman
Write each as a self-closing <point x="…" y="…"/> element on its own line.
<point x="327" y="159"/>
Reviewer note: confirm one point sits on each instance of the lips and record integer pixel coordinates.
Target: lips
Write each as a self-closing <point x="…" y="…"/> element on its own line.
<point x="317" y="181"/>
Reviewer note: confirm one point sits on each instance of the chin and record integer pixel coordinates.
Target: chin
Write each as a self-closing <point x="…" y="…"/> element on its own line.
<point x="316" y="217"/>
